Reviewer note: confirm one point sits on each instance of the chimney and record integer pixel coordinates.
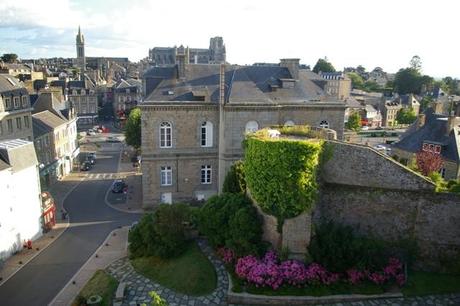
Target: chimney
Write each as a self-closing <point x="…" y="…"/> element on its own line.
<point x="181" y="61"/>
<point x="452" y="121"/>
<point x="437" y="107"/>
<point x="421" y="121"/>
<point x="292" y="64"/>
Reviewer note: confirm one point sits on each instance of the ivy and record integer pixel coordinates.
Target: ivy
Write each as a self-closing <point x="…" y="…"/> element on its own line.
<point x="281" y="174"/>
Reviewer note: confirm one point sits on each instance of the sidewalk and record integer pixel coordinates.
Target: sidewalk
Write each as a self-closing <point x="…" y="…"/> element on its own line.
<point x="59" y="191"/>
<point x="113" y="248"/>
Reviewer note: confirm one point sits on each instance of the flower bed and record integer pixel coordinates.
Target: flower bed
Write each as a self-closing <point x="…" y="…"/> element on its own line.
<point x="270" y="272"/>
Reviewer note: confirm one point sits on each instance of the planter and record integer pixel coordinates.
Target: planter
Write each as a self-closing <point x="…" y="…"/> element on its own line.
<point x="94" y="300"/>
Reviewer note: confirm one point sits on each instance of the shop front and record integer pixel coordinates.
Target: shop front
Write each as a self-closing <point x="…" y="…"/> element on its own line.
<point x="48" y="211"/>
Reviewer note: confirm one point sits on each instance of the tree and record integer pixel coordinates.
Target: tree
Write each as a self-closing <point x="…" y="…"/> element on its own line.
<point x="9" y="58"/>
<point x="324" y="66"/>
<point x="354" y="122"/>
<point x="425" y="102"/>
<point x="408" y="80"/>
<point x="416" y="63"/>
<point x="356" y="80"/>
<point x="372" y="86"/>
<point x="406" y="116"/>
<point x="234" y="180"/>
<point x="428" y="162"/>
<point x="133" y="128"/>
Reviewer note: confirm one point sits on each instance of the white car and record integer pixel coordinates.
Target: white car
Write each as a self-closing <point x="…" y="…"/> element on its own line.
<point x="380" y="147"/>
<point x="365" y="128"/>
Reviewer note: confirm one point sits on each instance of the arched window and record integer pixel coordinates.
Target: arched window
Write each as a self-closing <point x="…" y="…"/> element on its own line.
<point x="206" y="134"/>
<point x="289" y="123"/>
<point x="324" y="124"/>
<point x="251" y="127"/>
<point x="165" y="135"/>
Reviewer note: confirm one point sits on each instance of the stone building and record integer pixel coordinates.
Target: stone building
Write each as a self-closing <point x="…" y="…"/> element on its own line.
<point x="409" y="101"/>
<point x="389" y="111"/>
<point x="55" y="137"/>
<point x="83" y="97"/>
<point x="436" y="133"/>
<point x="166" y="56"/>
<point x="195" y="117"/>
<point x="338" y="84"/>
<point x="126" y="95"/>
<point x="15" y="110"/>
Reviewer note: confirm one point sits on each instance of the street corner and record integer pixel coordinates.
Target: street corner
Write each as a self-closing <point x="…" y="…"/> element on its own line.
<point x="116" y="198"/>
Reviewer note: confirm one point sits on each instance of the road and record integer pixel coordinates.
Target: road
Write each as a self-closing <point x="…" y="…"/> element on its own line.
<point x="91" y="220"/>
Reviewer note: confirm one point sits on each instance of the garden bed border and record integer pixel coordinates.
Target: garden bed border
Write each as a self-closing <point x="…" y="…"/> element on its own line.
<point x="255" y="299"/>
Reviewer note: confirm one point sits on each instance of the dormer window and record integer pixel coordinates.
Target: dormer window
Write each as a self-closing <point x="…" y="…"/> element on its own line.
<point x="433" y="148"/>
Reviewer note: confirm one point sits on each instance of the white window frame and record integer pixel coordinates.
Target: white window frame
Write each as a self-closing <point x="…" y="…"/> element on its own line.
<point x="165" y="135"/>
<point x="8" y="103"/>
<point x="24" y="101"/>
<point x="16" y="102"/>
<point x="251" y="126"/>
<point x="324" y="124"/>
<point x="206" y="174"/>
<point x="165" y="176"/>
<point x="206" y="132"/>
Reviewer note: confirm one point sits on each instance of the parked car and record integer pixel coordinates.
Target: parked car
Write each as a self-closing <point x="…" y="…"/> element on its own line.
<point x="92" y="155"/>
<point x="365" y="128"/>
<point x="85" y="166"/>
<point x="90" y="132"/>
<point x="119" y="186"/>
<point x="380" y="147"/>
<point x="112" y="139"/>
<point x="91" y="160"/>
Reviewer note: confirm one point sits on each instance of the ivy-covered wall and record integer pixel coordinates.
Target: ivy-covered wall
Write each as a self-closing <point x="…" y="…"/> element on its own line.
<point x="281" y="173"/>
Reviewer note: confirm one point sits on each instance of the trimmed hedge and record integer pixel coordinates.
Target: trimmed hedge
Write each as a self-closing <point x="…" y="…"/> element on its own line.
<point x="281" y="174"/>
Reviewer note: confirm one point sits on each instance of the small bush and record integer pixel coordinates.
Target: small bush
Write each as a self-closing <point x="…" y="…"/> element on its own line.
<point x="161" y="233"/>
<point x="234" y="180"/>
<point x="230" y="220"/>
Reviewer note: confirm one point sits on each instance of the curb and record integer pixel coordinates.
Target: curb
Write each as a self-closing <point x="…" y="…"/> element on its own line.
<point x="253" y="299"/>
<point x="86" y="262"/>
<point x="55" y="238"/>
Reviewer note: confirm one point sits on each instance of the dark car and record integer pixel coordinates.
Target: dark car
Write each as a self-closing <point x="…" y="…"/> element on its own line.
<point x="91" y="158"/>
<point x="112" y="139"/>
<point x="85" y="166"/>
<point x="119" y="186"/>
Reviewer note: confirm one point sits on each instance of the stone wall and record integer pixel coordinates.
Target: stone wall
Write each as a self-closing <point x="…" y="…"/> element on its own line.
<point x="431" y="219"/>
<point x="358" y="165"/>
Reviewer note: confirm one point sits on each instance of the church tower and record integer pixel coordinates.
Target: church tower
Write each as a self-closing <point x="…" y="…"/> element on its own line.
<point x="81" y="60"/>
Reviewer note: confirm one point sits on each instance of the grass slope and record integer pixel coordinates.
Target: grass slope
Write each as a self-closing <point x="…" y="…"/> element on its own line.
<point x="101" y="284"/>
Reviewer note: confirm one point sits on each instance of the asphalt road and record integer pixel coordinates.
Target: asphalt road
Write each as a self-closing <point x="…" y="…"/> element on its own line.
<point x="91" y="220"/>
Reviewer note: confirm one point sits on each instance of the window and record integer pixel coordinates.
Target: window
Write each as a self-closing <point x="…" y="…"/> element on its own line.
<point x="7" y="103"/>
<point x="26" y="122"/>
<point x="166" y="176"/>
<point x="165" y="135"/>
<point x="24" y="101"/>
<point x="206" y="174"/>
<point x="206" y="134"/>
<point x="16" y="102"/>
<point x="251" y="127"/>
<point x="437" y="149"/>
<point x="442" y="171"/>
<point x="19" y="123"/>
<point x="10" y="125"/>
<point x="425" y="147"/>
<point x="289" y="123"/>
<point x="324" y="124"/>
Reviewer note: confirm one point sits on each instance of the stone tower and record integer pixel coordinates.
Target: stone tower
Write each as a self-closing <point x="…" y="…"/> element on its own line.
<point x="81" y="60"/>
<point x="217" y="50"/>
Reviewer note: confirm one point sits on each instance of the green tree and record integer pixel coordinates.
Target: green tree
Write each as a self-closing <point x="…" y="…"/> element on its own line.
<point x="416" y="63"/>
<point x="354" y="122"/>
<point x="133" y="128"/>
<point x="408" y="80"/>
<point x="425" y="102"/>
<point x="372" y="86"/>
<point x="324" y="66"/>
<point x="406" y="116"/>
<point x="356" y="80"/>
<point x="9" y="57"/>
<point x="234" y="180"/>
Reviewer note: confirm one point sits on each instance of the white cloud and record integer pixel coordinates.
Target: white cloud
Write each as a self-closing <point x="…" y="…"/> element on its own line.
<point x="371" y="33"/>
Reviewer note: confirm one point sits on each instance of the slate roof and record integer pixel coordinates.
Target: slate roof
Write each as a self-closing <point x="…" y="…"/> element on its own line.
<point x="18" y="153"/>
<point x="3" y="165"/>
<point x="248" y="84"/>
<point x="9" y="83"/>
<point x="434" y="130"/>
<point x="45" y="122"/>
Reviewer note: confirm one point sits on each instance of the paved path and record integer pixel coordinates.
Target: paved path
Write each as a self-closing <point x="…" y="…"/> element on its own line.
<point x="139" y="286"/>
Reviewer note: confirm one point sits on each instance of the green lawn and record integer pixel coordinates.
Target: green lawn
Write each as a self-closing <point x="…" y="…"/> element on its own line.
<point x="101" y="284"/>
<point x="191" y="273"/>
<point x="423" y="283"/>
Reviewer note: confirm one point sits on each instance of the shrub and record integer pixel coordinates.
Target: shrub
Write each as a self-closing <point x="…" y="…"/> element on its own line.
<point x="169" y="229"/>
<point x="161" y="233"/>
<point x="230" y="220"/>
<point x="337" y="248"/>
<point x="281" y="174"/>
<point x="234" y="180"/>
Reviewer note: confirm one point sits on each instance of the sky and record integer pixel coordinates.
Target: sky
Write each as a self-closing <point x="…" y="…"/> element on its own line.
<point x="371" y="33"/>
